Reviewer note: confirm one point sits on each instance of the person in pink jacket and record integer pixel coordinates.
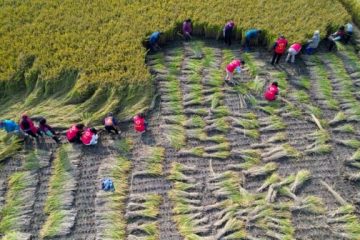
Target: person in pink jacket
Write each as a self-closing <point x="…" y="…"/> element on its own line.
<point x="187" y="29"/>
<point x="293" y="51"/>
<point x="234" y="65"/>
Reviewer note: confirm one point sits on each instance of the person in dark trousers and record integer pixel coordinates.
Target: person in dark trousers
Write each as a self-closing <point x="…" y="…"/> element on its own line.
<point x="74" y="134"/>
<point x="227" y="32"/>
<point x="45" y="129"/>
<point x="187" y="29"/>
<point x="279" y="49"/>
<point x="110" y="123"/>
<point x="154" y="40"/>
<point x="27" y="126"/>
<point x="250" y="35"/>
<point x="339" y="35"/>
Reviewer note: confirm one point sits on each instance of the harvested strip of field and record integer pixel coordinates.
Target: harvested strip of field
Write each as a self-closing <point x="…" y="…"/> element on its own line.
<point x="60" y="200"/>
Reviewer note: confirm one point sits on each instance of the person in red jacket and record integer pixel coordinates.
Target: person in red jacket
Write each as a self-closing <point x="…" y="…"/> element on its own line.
<point x="90" y="137"/>
<point x="271" y="92"/>
<point x="74" y="133"/>
<point x="279" y="49"/>
<point x="140" y="124"/>
<point x="27" y="125"/>
<point x="234" y="65"/>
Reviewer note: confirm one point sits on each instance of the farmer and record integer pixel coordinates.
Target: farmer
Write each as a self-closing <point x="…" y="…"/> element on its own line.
<point x="140" y="124"/>
<point x="153" y="40"/>
<point x="9" y="126"/>
<point x="339" y="35"/>
<point x="187" y="29"/>
<point x="249" y="35"/>
<point x="73" y="135"/>
<point x="27" y="125"/>
<point x="271" y="92"/>
<point x="313" y="43"/>
<point x="293" y="51"/>
<point x="235" y="65"/>
<point x="279" y="49"/>
<point x="45" y="129"/>
<point x="348" y="32"/>
<point x="227" y="31"/>
<point x="90" y="137"/>
<point x="110" y="123"/>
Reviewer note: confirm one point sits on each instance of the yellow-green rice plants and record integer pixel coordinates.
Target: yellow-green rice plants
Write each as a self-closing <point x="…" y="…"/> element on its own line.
<point x="261" y="170"/>
<point x="344" y="222"/>
<point x="19" y="199"/>
<point x="324" y="83"/>
<point x="347" y="128"/>
<point x="338" y="118"/>
<point x="9" y="145"/>
<point x="277" y="153"/>
<point x="60" y="196"/>
<point x="154" y="160"/>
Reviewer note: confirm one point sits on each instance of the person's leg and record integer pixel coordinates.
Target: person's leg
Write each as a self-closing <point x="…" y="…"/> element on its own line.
<point x="293" y="57"/>
<point x="231" y="77"/>
<point x="332" y="44"/>
<point x="287" y="57"/>
<point x="247" y="44"/>
<point x="278" y="58"/>
<point x="29" y="132"/>
<point x="273" y="58"/>
<point x="108" y="129"/>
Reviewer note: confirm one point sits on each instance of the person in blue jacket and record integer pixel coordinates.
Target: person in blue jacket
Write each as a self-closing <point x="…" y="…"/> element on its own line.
<point x="9" y="126"/>
<point x="154" y="39"/>
<point x="250" y="34"/>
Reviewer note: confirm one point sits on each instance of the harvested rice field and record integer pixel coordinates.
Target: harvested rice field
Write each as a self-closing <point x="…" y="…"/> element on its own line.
<point x="218" y="162"/>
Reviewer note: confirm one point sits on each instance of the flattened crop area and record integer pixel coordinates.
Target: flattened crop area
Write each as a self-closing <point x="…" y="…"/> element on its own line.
<point x="218" y="162"/>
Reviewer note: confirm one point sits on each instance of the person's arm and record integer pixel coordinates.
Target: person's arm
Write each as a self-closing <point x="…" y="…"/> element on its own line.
<point x="238" y="69"/>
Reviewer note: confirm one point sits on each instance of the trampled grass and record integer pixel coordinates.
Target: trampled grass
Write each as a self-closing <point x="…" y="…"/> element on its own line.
<point x="91" y="54"/>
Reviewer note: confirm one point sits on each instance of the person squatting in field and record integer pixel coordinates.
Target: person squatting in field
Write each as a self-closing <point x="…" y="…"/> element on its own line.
<point x="9" y="126"/>
<point x="313" y="43"/>
<point x="187" y="29"/>
<point x="227" y="32"/>
<point x="271" y="92"/>
<point x="235" y="65"/>
<point x="293" y="51"/>
<point x="251" y="34"/>
<point x="46" y="130"/>
<point x="27" y="126"/>
<point x="153" y="40"/>
<point x="140" y="124"/>
<point x="110" y="123"/>
<point x="348" y="32"/>
<point x="339" y="35"/>
<point x="89" y="137"/>
<point x="74" y="133"/>
<point x="279" y="49"/>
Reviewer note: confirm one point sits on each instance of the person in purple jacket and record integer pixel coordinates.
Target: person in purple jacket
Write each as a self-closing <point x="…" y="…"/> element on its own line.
<point x="187" y="29"/>
<point x="45" y="129"/>
<point x="227" y="31"/>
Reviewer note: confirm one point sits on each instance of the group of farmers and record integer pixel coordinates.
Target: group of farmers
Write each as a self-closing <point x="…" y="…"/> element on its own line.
<point x="279" y="48"/>
<point x="77" y="133"/>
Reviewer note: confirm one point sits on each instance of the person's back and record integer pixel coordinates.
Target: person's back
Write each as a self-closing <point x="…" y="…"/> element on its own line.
<point x="297" y="47"/>
<point x="315" y="40"/>
<point x="233" y="65"/>
<point x="154" y="37"/>
<point x="187" y="27"/>
<point x="139" y="123"/>
<point x="9" y="126"/>
<point x="251" y="33"/>
<point x="280" y="45"/>
<point x="271" y="92"/>
<point x="73" y="134"/>
<point x="87" y="137"/>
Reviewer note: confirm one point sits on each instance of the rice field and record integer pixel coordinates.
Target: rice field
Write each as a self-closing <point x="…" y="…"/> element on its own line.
<point x="218" y="161"/>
